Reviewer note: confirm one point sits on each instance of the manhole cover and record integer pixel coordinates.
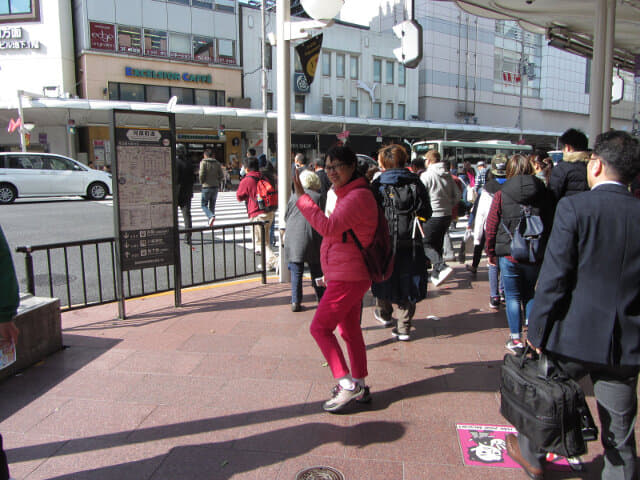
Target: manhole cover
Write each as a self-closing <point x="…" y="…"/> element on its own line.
<point x="319" y="473"/>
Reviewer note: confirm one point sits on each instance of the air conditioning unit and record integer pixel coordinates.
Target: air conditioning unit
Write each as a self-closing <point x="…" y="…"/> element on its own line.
<point x="239" y="102"/>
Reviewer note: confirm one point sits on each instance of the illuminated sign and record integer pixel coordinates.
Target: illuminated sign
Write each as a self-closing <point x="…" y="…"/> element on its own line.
<point x="162" y="75"/>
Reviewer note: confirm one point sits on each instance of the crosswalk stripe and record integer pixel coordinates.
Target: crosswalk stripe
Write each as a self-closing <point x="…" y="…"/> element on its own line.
<point x="229" y="211"/>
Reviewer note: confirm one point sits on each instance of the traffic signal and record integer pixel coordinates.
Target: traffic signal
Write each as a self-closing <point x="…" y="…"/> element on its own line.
<point x="71" y="126"/>
<point x="410" y="51"/>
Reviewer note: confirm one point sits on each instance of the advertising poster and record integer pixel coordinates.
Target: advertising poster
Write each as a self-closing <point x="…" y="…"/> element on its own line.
<point x="485" y="446"/>
<point x="145" y="197"/>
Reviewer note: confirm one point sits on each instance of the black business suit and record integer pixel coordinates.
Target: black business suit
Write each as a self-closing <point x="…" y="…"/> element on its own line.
<point x="586" y="310"/>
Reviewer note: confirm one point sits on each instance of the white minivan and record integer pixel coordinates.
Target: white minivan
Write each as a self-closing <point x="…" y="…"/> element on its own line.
<point x="46" y="175"/>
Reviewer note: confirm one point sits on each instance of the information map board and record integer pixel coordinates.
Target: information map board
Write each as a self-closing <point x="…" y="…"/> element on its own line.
<point x="145" y="197"/>
<point x="146" y="217"/>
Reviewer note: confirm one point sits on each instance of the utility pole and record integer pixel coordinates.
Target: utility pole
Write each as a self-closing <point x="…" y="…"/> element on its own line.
<point x="522" y="72"/>
<point x="265" y="131"/>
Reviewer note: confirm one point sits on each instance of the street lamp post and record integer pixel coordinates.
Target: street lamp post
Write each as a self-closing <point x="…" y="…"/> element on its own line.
<point x="322" y="11"/>
<point x="283" y="91"/>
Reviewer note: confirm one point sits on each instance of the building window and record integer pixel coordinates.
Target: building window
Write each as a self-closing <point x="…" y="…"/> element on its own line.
<point x="327" y="105"/>
<point x="270" y="101"/>
<point x="129" y="40"/>
<point x="130" y="92"/>
<point x="402" y="75"/>
<point x="402" y="111"/>
<point x="268" y="56"/>
<point x="180" y="46"/>
<point x="340" y="65"/>
<point x="226" y="49"/>
<point x="354" y="68"/>
<point x="326" y="64"/>
<point x="203" y="4"/>
<point x="185" y="95"/>
<point x="19" y="10"/>
<point x="389" y="72"/>
<point x="155" y="43"/>
<point x="157" y="94"/>
<point x="220" y="98"/>
<point x="203" y="49"/>
<point x="225" y="6"/>
<point x="182" y="2"/>
<point x="377" y="70"/>
<point x="340" y="107"/>
<point x="377" y="110"/>
<point x="388" y="110"/>
<point x="114" y="93"/>
<point x="353" y="108"/>
<point x="299" y="108"/>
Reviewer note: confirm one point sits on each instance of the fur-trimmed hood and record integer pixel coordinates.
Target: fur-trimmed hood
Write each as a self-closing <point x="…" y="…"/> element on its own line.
<point x="573" y="157"/>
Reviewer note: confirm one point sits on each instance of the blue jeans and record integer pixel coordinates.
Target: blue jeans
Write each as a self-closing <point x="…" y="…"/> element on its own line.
<point x="519" y="280"/>
<point x="297" y="269"/>
<point x="208" y="202"/>
<point x="495" y="281"/>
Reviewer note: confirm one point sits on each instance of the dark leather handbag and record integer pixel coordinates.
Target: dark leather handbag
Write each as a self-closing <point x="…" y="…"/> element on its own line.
<point x="545" y="404"/>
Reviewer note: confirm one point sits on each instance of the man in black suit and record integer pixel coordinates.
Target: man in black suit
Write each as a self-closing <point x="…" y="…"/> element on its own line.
<point x="586" y="310"/>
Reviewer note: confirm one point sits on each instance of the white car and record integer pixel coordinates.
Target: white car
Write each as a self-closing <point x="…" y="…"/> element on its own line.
<point x="47" y="175"/>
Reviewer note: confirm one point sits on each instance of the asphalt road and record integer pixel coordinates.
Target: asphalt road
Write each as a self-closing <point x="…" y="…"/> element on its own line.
<point x="44" y="221"/>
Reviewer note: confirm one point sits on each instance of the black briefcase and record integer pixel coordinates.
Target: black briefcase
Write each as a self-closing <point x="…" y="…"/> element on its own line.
<point x="544" y="404"/>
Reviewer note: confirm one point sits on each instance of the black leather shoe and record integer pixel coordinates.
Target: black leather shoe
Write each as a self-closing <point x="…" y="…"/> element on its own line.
<point x="513" y="449"/>
<point x="295" y="307"/>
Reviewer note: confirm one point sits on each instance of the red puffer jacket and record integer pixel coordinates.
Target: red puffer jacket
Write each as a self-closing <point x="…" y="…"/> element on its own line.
<point x="355" y="209"/>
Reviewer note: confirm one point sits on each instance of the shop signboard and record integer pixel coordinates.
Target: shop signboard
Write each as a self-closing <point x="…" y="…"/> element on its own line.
<point x="103" y="36"/>
<point x="145" y="216"/>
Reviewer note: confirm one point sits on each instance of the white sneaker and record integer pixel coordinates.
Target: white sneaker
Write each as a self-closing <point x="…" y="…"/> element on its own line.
<point x="403" y="337"/>
<point x="441" y="276"/>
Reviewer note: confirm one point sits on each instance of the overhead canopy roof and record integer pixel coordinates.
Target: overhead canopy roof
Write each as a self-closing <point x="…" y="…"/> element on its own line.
<point x="568" y="24"/>
<point x="56" y="111"/>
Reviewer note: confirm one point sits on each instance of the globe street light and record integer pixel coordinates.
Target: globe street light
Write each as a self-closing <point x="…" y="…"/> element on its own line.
<point x="322" y="11"/>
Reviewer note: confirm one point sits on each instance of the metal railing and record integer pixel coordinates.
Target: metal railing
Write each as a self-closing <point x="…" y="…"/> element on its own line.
<point x="83" y="273"/>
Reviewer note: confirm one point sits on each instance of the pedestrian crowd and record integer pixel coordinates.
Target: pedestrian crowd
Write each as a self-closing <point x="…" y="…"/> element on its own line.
<point x="561" y="244"/>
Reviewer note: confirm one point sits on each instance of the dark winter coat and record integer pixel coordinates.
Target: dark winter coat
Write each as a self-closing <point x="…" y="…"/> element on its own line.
<point x="185" y="180"/>
<point x="302" y="242"/>
<point x="569" y="176"/>
<point x="519" y="191"/>
<point x="408" y="283"/>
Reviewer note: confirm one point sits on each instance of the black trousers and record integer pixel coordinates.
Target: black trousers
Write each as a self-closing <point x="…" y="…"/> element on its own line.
<point x="615" y="390"/>
<point x="434" y="231"/>
<point x="4" y="465"/>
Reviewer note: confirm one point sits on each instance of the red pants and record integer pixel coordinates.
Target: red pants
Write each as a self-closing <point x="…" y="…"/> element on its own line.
<point x="340" y="307"/>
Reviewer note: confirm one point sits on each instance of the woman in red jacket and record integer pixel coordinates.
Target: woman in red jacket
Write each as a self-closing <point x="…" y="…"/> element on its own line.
<point x="345" y="273"/>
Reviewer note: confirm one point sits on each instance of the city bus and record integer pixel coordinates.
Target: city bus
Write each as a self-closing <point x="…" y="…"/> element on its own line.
<point x="458" y="152"/>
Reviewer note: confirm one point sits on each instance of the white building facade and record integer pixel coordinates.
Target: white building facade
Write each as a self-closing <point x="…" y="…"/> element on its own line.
<point x="36" y="56"/>
<point x="357" y="77"/>
<point x="473" y="69"/>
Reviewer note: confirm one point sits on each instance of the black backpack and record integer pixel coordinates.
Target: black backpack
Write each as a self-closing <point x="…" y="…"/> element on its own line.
<point x="526" y="242"/>
<point x="400" y="203"/>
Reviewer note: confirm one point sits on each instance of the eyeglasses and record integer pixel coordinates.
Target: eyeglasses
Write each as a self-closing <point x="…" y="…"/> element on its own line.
<point x="332" y="168"/>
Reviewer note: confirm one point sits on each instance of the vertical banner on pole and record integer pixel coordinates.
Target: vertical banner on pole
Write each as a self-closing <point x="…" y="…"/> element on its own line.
<point x="146" y="220"/>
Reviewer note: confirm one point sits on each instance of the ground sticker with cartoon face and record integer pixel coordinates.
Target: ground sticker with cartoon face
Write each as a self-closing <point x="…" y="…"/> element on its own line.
<point x="485" y="446"/>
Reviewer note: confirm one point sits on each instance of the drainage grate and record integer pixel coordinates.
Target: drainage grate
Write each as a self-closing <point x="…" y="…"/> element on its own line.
<point x="319" y="473"/>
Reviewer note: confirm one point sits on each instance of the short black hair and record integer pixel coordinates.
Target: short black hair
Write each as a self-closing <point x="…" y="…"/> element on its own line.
<point x="574" y="138"/>
<point x="252" y="152"/>
<point x="418" y="163"/>
<point x="620" y="152"/>
<point x="344" y="154"/>
<point x="319" y="162"/>
<point x="253" y="164"/>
